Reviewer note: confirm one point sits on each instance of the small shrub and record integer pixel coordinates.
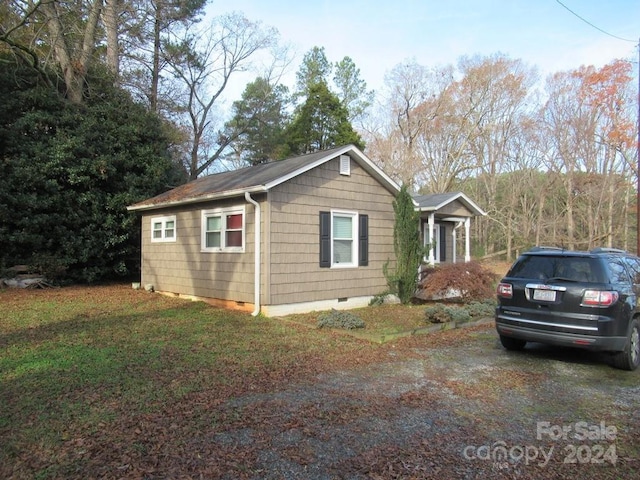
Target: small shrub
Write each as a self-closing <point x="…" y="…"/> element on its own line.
<point x="459" y="314"/>
<point x="377" y="300"/>
<point x="467" y="281"/>
<point x="384" y="298"/>
<point x="437" y="314"/>
<point x="340" y="319"/>
<point x="440" y="313"/>
<point x="485" y="308"/>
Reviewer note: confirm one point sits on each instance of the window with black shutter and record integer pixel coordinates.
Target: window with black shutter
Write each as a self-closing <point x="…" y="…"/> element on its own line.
<point x="325" y="239"/>
<point x="363" y="237"/>
<point x="343" y="241"/>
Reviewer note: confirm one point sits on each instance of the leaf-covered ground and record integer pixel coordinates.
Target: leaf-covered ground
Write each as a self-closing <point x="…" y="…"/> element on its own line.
<point x="107" y="382"/>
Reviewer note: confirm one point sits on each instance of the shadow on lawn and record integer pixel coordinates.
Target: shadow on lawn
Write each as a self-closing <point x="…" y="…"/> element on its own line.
<point x="85" y="324"/>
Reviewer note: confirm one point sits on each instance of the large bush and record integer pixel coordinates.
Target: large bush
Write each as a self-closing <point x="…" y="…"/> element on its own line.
<point x="67" y="173"/>
<point x="466" y="281"/>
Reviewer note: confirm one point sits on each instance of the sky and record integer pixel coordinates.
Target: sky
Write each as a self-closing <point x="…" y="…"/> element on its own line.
<point x="378" y="35"/>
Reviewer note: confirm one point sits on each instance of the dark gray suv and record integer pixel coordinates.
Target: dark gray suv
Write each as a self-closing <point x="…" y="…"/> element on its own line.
<point x="570" y="298"/>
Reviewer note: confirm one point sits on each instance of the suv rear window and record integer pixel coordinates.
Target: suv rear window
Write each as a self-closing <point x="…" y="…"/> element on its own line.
<point x="540" y="267"/>
<point x="618" y="273"/>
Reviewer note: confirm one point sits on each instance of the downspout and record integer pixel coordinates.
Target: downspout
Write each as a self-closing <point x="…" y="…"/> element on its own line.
<point x="256" y="286"/>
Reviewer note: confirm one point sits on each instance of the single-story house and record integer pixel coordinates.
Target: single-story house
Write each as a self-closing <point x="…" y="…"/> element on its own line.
<point x="307" y="233"/>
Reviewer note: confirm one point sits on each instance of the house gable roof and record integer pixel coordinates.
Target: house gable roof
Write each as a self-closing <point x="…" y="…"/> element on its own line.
<point x="258" y="178"/>
<point x="436" y="201"/>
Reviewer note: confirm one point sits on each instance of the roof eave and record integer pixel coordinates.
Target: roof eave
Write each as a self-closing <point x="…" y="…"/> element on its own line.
<point x="205" y="198"/>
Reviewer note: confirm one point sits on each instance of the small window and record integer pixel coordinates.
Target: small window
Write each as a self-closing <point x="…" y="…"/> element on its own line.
<point x="344" y="234"/>
<point x="344" y="237"/>
<point x="345" y="165"/>
<point x="163" y="229"/>
<point x="223" y="230"/>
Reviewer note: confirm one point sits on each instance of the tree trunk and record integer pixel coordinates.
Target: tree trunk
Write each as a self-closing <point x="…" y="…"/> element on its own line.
<point x="155" y="72"/>
<point x="111" y="11"/>
<point x="73" y="59"/>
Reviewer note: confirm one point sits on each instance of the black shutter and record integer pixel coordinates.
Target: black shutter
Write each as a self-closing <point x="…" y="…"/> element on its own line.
<point x="325" y="239"/>
<point x="363" y="238"/>
<point x="443" y="243"/>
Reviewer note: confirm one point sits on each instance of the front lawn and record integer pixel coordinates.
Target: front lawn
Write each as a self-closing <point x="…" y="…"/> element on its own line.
<point x="108" y="382"/>
<point x="86" y="367"/>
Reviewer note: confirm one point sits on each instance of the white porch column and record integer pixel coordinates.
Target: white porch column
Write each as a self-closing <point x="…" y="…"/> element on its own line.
<point x="432" y="258"/>
<point x="467" y="240"/>
<point x="453" y="240"/>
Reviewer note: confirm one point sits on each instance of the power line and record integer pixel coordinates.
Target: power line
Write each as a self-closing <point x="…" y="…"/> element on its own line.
<point x="594" y="26"/>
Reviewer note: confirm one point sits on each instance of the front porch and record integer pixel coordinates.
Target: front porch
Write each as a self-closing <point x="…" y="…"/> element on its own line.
<point x="444" y="217"/>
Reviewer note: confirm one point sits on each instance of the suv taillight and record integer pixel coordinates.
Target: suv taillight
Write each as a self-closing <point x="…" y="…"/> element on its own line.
<point x="599" y="298"/>
<point x="505" y="290"/>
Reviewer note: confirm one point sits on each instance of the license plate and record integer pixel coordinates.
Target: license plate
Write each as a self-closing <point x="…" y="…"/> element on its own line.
<point x="544" y="295"/>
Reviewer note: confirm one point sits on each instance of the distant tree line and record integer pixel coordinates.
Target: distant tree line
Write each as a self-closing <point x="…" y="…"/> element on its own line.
<point x="551" y="162"/>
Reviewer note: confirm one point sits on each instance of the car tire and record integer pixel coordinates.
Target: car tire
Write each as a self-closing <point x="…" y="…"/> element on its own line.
<point x="512" y="343"/>
<point x="629" y="358"/>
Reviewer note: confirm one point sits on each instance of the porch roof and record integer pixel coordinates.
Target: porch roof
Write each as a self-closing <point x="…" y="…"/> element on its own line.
<point x="436" y="201"/>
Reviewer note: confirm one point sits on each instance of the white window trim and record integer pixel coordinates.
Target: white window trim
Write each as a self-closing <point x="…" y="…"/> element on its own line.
<point x="222" y="212"/>
<point x="354" y="238"/>
<point x="164" y="220"/>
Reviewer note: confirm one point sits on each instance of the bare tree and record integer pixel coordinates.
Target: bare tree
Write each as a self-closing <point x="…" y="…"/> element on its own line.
<point x="587" y="117"/>
<point x="442" y="144"/>
<point x="491" y="98"/>
<point x="203" y="63"/>
<point x="394" y="145"/>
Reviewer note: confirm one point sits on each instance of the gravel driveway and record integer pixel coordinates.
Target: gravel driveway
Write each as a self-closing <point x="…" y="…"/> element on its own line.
<point x="454" y="405"/>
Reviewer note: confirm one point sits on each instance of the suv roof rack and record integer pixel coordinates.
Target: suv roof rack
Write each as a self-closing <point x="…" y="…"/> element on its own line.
<point x="539" y="248"/>
<point x="607" y="250"/>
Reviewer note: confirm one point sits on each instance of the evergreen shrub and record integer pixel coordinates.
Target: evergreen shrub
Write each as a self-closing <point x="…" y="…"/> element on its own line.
<point x="340" y="319"/>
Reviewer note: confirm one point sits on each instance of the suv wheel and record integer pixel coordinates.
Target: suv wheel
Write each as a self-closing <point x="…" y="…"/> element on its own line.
<point x="512" y="343"/>
<point x="629" y="358"/>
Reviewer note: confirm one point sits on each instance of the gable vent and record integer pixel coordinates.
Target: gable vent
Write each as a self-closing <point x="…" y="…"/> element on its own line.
<point x="345" y="165"/>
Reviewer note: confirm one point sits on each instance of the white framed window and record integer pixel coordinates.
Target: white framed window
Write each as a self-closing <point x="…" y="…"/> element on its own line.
<point x="163" y="229"/>
<point x="223" y="230"/>
<point x="344" y="239"/>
